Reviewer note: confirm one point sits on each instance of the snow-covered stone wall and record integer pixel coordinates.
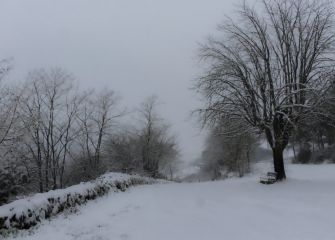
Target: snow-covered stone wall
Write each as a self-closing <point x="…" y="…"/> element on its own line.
<point x="27" y="212"/>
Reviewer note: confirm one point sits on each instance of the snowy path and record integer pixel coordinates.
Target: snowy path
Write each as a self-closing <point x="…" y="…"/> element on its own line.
<point x="300" y="208"/>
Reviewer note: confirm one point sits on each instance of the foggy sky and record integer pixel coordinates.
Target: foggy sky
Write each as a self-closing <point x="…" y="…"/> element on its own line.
<point x="135" y="47"/>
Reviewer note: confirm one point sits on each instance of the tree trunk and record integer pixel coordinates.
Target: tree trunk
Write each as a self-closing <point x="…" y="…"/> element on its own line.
<point x="47" y="175"/>
<point x="294" y="152"/>
<point x="278" y="163"/>
<point x="278" y="140"/>
<point x="40" y="178"/>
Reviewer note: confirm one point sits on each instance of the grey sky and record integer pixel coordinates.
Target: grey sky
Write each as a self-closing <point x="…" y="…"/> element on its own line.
<point x="136" y="47"/>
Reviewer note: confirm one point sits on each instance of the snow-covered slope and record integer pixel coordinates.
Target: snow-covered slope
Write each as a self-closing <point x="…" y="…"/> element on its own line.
<point x="303" y="207"/>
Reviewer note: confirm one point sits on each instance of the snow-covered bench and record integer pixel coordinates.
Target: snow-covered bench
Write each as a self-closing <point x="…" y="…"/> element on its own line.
<point x="268" y="178"/>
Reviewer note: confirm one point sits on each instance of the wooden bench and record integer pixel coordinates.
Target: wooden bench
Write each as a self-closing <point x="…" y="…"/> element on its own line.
<point x="268" y="178"/>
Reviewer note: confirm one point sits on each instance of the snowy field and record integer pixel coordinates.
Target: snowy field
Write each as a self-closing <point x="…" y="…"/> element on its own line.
<point x="303" y="207"/>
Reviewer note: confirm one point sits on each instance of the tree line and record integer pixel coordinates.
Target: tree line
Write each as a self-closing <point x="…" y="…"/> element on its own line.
<point x="54" y="135"/>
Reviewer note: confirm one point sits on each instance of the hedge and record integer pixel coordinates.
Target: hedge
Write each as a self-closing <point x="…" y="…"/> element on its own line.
<point x="28" y="212"/>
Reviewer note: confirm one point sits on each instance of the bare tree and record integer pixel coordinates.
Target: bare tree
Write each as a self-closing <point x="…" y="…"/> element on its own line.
<point x="158" y="146"/>
<point x="96" y="118"/>
<point x="30" y="114"/>
<point x="149" y="119"/>
<point x="270" y="70"/>
<point x="47" y="111"/>
<point x="69" y="131"/>
<point x="11" y="172"/>
<point x="9" y="101"/>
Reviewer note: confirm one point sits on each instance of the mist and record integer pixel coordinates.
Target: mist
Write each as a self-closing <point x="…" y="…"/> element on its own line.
<point x="136" y="48"/>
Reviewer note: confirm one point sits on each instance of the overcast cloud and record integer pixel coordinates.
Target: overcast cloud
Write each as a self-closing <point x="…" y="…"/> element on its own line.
<point x="136" y="47"/>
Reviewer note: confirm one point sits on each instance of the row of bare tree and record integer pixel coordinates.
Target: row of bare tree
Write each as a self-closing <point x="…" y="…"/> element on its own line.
<point x="54" y="135"/>
<point x="54" y="123"/>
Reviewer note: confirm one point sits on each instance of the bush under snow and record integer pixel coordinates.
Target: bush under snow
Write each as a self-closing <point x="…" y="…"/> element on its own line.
<point x="27" y="212"/>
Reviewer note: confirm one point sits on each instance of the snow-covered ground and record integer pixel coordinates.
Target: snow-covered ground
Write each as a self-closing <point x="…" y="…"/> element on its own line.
<point x="303" y="207"/>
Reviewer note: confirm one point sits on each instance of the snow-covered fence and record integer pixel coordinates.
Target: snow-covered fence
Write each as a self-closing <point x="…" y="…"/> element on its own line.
<point x="27" y="212"/>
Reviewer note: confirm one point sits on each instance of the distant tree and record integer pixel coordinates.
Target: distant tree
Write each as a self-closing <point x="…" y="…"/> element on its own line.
<point x="157" y="145"/>
<point x="228" y="154"/>
<point x="313" y="140"/>
<point x="122" y="151"/>
<point x="270" y="70"/>
<point x="145" y="148"/>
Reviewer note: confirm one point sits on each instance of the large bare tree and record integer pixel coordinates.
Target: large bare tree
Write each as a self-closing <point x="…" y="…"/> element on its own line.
<point x="270" y="69"/>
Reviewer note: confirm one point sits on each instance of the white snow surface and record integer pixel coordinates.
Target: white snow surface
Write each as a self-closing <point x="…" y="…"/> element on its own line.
<point x="302" y="207"/>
